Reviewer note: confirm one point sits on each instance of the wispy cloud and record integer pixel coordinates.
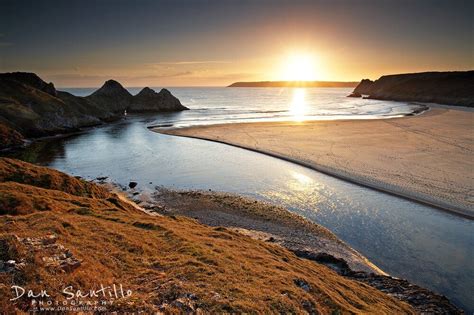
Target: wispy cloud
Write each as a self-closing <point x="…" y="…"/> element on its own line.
<point x="171" y="75"/>
<point x="197" y="62"/>
<point x="86" y="77"/>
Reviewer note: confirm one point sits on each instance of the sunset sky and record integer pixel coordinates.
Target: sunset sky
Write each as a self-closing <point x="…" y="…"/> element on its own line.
<point x="200" y="43"/>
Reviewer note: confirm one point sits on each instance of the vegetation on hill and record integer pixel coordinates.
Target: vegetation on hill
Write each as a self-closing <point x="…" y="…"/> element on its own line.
<point x="59" y="231"/>
<point x="35" y="108"/>
<point x="9" y="137"/>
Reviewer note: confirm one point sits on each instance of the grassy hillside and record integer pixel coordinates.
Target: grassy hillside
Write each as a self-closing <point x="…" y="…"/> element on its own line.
<point x="9" y="137"/>
<point x="34" y="108"/>
<point x="62" y="231"/>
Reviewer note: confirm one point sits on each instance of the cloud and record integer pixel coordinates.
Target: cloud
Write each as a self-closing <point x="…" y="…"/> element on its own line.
<point x="173" y="75"/>
<point x="190" y="62"/>
<point x="75" y="77"/>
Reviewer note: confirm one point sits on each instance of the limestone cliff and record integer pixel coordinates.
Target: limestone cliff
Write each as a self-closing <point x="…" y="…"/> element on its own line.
<point x="450" y="88"/>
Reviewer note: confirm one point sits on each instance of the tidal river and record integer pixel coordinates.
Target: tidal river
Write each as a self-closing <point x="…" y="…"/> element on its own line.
<point x="424" y="245"/>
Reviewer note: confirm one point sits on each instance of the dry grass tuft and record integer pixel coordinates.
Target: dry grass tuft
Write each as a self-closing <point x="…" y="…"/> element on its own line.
<point x="170" y="264"/>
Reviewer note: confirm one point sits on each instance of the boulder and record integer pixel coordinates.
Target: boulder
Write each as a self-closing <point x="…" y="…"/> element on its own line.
<point x="354" y="94"/>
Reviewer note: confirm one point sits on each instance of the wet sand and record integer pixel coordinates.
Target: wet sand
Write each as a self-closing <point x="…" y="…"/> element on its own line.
<point x="427" y="158"/>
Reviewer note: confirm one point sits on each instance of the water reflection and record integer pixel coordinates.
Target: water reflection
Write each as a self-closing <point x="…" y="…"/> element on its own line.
<point x="298" y="107"/>
<point x="302" y="179"/>
<point x="408" y="240"/>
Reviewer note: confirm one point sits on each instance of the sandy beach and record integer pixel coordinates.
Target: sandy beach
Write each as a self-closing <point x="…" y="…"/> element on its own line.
<point x="427" y="158"/>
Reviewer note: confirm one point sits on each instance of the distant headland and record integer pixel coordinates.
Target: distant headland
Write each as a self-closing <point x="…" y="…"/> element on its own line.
<point x="449" y="87"/>
<point x="294" y="84"/>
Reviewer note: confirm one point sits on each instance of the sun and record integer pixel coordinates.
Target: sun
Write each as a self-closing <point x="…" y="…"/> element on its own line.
<point x="299" y="67"/>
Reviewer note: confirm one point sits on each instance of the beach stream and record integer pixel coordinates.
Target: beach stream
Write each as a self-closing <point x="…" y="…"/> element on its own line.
<point x="427" y="246"/>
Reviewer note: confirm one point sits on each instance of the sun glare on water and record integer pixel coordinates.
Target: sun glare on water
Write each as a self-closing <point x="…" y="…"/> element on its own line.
<point x="298" y="67"/>
<point x="298" y="104"/>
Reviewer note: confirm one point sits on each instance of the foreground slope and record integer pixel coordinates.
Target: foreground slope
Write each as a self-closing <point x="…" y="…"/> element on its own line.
<point x="62" y="231"/>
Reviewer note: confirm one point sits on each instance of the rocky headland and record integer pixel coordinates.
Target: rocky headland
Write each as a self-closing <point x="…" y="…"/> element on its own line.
<point x="30" y="107"/>
<point x="450" y="88"/>
<point x="148" y="100"/>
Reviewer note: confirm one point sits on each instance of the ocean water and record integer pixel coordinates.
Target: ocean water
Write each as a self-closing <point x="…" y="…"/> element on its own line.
<point x="422" y="244"/>
<point x="226" y="105"/>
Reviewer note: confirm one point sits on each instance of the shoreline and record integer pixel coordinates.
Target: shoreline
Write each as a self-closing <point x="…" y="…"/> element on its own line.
<point x="385" y="187"/>
<point x="340" y="176"/>
<point x="273" y="224"/>
<point x="257" y="219"/>
<point x="173" y="262"/>
<point x="85" y="128"/>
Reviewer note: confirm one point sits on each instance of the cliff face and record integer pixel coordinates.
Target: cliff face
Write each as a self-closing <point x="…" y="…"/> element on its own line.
<point x="148" y="100"/>
<point x="33" y="108"/>
<point x="111" y="95"/>
<point x="450" y="88"/>
<point x="364" y="87"/>
<point x="37" y="110"/>
<point x="114" y="96"/>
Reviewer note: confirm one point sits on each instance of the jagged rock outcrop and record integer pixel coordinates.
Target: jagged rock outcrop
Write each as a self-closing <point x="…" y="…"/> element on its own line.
<point x="423" y="300"/>
<point x="30" y="79"/>
<point x="451" y="88"/>
<point x="148" y="100"/>
<point x="364" y="87"/>
<point x="111" y="95"/>
<point x="33" y="108"/>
